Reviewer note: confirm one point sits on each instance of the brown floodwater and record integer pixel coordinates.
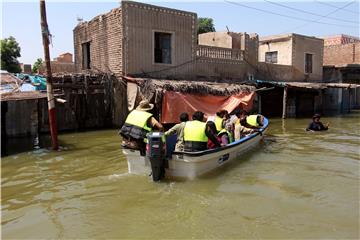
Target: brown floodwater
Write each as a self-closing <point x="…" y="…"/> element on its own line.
<point x="295" y="184"/>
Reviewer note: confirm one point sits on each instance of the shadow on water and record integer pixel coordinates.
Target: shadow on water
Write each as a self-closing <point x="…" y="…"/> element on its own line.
<point x="23" y="144"/>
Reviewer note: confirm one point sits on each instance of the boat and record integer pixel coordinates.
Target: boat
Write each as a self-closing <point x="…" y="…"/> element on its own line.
<point x="191" y="165"/>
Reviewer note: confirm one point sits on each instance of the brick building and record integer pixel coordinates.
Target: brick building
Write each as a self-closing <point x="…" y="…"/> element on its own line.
<point x="65" y="57"/>
<point x="139" y="39"/>
<point x="61" y="64"/>
<point x="340" y="39"/>
<point x="341" y="49"/>
<point x="291" y="57"/>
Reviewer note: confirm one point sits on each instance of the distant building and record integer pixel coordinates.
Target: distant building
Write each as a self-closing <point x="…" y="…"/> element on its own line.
<point x="341" y="49"/>
<point x="65" y="57"/>
<point x="342" y="65"/>
<point x="291" y="57"/>
<point x="340" y="39"/>
<point x="248" y="43"/>
<point x="26" y="68"/>
<point x="61" y="64"/>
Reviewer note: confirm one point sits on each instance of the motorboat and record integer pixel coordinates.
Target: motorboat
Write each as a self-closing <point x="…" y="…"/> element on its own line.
<point x="193" y="164"/>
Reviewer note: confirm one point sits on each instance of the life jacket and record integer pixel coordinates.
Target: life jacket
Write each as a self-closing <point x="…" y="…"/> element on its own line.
<point x="252" y="120"/>
<point x="224" y="131"/>
<point x="195" y="138"/>
<point x="135" y="125"/>
<point x="219" y="123"/>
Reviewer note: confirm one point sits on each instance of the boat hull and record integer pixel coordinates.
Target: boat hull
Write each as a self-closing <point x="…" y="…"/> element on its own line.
<point x="191" y="165"/>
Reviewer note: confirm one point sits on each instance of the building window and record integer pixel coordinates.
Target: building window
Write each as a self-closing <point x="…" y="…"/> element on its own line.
<point x="162" y="47"/>
<point x="85" y="55"/>
<point x="308" y="62"/>
<point x="271" y="57"/>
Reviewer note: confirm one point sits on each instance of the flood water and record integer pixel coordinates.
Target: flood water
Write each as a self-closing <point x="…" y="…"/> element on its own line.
<point x="295" y="184"/>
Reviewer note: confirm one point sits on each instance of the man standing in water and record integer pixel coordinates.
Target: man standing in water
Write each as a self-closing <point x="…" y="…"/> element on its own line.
<point x="316" y="125"/>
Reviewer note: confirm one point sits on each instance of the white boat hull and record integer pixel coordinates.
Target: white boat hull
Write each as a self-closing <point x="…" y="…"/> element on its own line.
<point x="192" y="165"/>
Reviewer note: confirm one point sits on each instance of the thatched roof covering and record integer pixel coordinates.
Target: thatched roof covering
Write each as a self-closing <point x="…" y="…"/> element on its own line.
<point x="148" y="85"/>
<point x="308" y="85"/>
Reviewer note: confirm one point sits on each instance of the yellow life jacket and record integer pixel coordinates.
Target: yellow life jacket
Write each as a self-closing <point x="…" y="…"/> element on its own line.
<point x="136" y="125"/>
<point x="252" y="120"/>
<point x="231" y="139"/>
<point x="194" y="131"/>
<point x="219" y="123"/>
<point x="139" y="119"/>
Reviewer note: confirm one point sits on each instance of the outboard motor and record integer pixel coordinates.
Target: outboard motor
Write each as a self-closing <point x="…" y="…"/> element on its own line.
<point x="156" y="153"/>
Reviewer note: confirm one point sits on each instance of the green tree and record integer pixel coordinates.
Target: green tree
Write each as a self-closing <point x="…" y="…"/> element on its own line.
<point x="205" y="25"/>
<point x="37" y="65"/>
<point x="10" y="51"/>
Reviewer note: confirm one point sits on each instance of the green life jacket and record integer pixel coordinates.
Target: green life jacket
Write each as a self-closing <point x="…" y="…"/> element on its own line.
<point x="252" y="120"/>
<point x="219" y="123"/>
<point x="224" y="131"/>
<point x="195" y="138"/>
<point x="194" y="131"/>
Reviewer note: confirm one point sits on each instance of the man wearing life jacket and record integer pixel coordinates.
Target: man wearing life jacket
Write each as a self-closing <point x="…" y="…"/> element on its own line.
<point x="240" y="130"/>
<point x="219" y="119"/>
<point x="138" y="123"/>
<point x="255" y="121"/>
<point x="195" y="133"/>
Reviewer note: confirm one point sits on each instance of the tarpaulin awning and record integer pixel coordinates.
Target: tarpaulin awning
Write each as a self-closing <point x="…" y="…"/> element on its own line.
<point x="175" y="103"/>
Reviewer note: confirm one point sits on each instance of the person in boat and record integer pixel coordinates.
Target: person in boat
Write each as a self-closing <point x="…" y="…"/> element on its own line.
<point x="240" y="130"/>
<point x="138" y="123"/>
<point x="254" y="121"/>
<point x="218" y="119"/>
<point x="178" y="129"/>
<point x="211" y="128"/>
<point x="196" y="135"/>
<point x="316" y="125"/>
<point x="226" y="135"/>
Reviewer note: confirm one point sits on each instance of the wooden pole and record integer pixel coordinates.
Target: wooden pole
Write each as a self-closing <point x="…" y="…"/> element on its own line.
<point x="49" y="86"/>
<point x="284" y="103"/>
<point x="260" y="103"/>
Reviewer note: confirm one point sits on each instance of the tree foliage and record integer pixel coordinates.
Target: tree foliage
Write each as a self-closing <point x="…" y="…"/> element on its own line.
<point x="10" y="51"/>
<point x="37" y="65"/>
<point x="205" y="25"/>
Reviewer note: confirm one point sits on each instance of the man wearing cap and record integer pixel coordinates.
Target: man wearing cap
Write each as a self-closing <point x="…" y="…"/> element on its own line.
<point x="138" y="123"/>
<point x="316" y="125"/>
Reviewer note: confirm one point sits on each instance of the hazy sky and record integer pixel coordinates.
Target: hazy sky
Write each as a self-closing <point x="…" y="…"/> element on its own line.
<point x="21" y="19"/>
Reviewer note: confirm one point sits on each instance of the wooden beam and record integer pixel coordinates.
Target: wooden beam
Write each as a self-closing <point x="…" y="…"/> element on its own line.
<point x="284" y="102"/>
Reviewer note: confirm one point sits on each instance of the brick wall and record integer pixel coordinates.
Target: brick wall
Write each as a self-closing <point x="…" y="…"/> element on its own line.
<point x="342" y="54"/>
<point x="104" y="33"/>
<point x="340" y="39"/>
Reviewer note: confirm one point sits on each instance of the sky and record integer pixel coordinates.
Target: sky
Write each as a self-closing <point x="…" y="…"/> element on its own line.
<point x="21" y="19"/>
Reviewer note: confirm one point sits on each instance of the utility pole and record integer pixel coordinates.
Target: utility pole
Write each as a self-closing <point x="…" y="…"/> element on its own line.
<point x="49" y="85"/>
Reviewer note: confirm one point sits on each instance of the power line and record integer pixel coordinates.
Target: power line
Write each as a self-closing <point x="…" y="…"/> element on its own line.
<point x="316" y="21"/>
<point x="333" y="6"/>
<point x="307" y="12"/>
<point x="287" y="16"/>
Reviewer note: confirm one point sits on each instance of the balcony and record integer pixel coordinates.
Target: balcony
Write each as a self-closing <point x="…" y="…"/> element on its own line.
<point x="219" y="53"/>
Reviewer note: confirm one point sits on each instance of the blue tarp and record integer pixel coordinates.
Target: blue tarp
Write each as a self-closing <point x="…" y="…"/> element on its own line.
<point x="38" y="82"/>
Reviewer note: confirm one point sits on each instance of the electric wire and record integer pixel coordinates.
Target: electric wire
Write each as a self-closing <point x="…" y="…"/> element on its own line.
<point x="307" y="12"/>
<point x="333" y="6"/>
<point x="314" y="21"/>
<point x="288" y="16"/>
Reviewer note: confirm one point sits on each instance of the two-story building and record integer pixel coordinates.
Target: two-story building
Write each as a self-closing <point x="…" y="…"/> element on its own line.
<point x="139" y="39"/>
<point x="291" y="57"/>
